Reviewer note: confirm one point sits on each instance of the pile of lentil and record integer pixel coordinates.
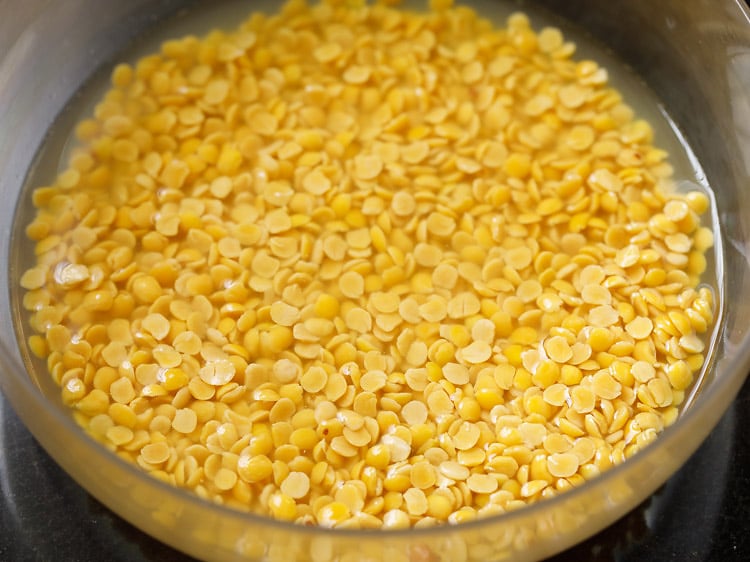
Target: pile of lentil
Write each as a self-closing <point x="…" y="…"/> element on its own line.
<point x="356" y="266"/>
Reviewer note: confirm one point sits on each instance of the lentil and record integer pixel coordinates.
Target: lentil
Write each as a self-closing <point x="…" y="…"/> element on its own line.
<point x="356" y="310"/>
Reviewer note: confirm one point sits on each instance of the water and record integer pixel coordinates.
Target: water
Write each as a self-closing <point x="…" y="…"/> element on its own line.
<point x="227" y="14"/>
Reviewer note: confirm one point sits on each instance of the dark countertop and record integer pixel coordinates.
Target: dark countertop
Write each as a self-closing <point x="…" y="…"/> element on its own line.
<point x="701" y="514"/>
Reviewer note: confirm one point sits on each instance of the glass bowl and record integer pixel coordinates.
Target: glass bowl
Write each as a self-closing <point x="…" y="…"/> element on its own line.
<point x="694" y="55"/>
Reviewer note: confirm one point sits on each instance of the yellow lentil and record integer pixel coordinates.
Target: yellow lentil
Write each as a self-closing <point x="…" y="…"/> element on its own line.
<point x="356" y="311"/>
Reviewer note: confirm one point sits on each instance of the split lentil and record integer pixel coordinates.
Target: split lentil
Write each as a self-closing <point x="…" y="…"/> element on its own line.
<point x="357" y="266"/>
